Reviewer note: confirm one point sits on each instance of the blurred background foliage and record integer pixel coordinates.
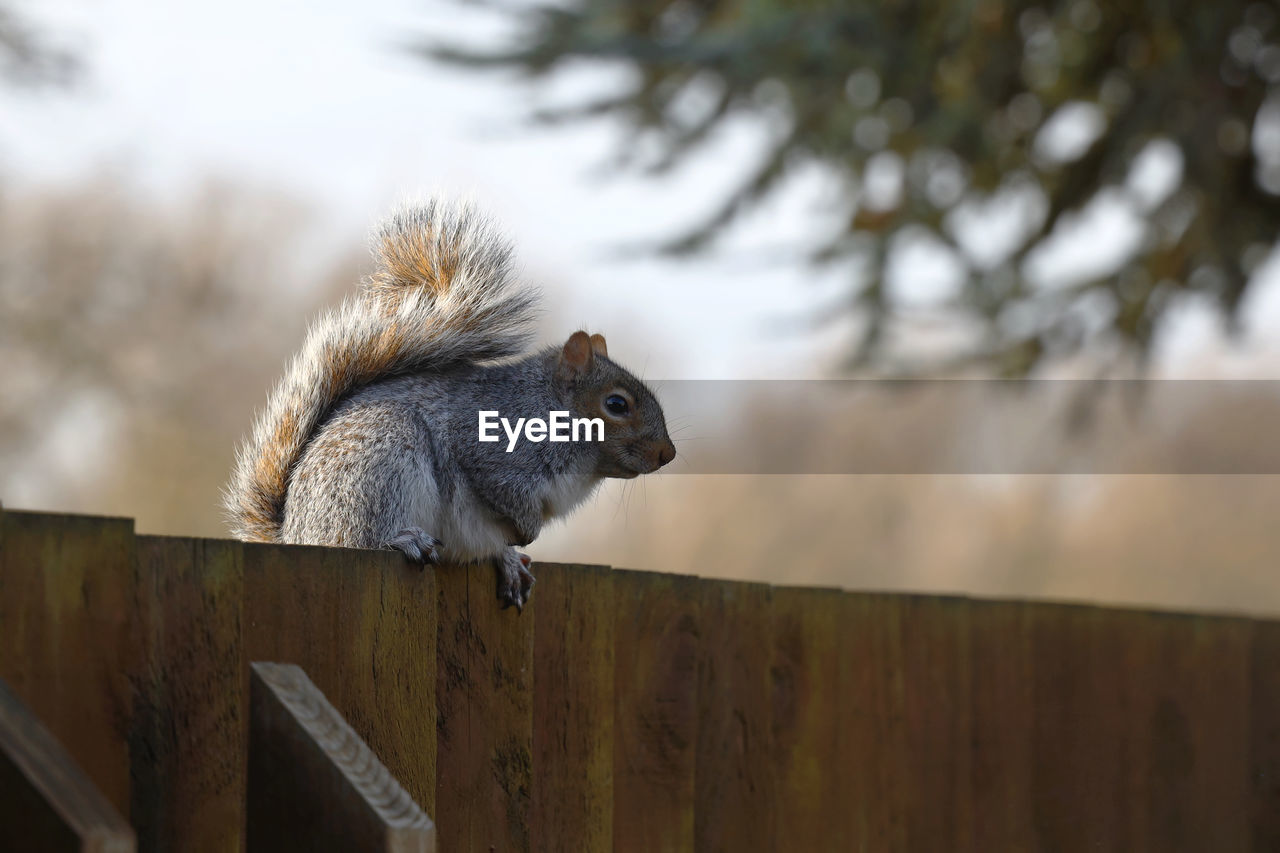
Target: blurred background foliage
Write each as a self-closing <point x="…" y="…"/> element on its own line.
<point x="929" y="115"/>
<point x="28" y="59"/>
<point x="139" y="331"/>
<point x="138" y="336"/>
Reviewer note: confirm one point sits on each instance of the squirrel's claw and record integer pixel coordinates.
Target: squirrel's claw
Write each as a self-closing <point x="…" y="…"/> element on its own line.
<point x="515" y="582"/>
<point x="417" y="545"/>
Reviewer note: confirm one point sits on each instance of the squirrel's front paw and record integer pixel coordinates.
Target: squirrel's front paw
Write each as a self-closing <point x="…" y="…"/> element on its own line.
<point x="515" y="582"/>
<point x="418" y="545"/>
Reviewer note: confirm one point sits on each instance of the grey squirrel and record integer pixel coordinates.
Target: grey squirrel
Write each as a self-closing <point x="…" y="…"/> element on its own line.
<point x="371" y="439"/>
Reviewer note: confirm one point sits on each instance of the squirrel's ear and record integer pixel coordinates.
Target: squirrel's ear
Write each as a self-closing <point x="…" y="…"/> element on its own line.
<point x="598" y="346"/>
<point x="577" y="356"/>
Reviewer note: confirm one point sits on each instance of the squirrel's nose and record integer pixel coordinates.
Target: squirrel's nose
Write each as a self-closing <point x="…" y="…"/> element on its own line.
<point x="666" y="454"/>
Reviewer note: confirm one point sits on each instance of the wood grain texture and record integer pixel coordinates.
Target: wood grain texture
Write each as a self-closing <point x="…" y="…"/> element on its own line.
<point x="48" y="803"/>
<point x="807" y="720"/>
<point x="656" y="637"/>
<point x="313" y="784"/>
<point x="735" y="788"/>
<point x="1084" y="663"/>
<point x="1003" y="707"/>
<point x="1264" y="736"/>
<point x="1188" y="730"/>
<point x="875" y="738"/>
<point x="573" y="687"/>
<point x="69" y="639"/>
<point x="362" y="625"/>
<point x="938" y="708"/>
<point x="188" y="736"/>
<point x="651" y="711"/>
<point x="485" y="732"/>
<point x="908" y="688"/>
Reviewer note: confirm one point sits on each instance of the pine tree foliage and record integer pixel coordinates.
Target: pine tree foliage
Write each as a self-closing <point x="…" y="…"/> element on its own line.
<point x="934" y="110"/>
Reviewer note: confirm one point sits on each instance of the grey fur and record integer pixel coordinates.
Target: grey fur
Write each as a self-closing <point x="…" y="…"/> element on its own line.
<point x="386" y="453"/>
<point x="476" y="312"/>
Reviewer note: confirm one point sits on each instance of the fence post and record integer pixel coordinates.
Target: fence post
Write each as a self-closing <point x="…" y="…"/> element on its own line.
<point x="188" y="737"/>
<point x="655" y="711"/>
<point x="573" y="688"/>
<point x="735" y="788"/>
<point x="313" y="783"/>
<point x="70" y="639"/>
<point x="48" y="802"/>
<point x="484" y="768"/>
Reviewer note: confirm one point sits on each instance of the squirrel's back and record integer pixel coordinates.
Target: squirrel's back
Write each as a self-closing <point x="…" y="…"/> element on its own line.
<point x="443" y="295"/>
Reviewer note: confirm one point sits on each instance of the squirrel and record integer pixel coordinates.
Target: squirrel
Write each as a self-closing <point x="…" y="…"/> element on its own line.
<point x="372" y="438"/>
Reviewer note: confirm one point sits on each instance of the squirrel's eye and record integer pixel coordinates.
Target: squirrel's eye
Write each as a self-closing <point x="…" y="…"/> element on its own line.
<point x="616" y="404"/>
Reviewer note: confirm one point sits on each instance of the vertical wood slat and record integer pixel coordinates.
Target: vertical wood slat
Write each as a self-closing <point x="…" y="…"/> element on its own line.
<point x="1081" y="792"/>
<point x="313" y="784"/>
<point x="656" y="638"/>
<point x="188" y="734"/>
<point x="734" y="780"/>
<point x="1003" y="704"/>
<point x="872" y="697"/>
<point x="1090" y="727"/>
<point x="361" y="624"/>
<point x="938" y="705"/>
<point x="907" y="691"/>
<point x="573" y="688"/>
<point x="485" y="732"/>
<point x="69" y="640"/>
<point x="807" y="721"/>
<point x="1190" y="751"/>
<point x="48" y="803"/>
<point x="1264" y="736"/>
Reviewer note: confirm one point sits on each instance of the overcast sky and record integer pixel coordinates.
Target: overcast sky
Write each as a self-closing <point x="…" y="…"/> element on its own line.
<point x="318" y="99"/>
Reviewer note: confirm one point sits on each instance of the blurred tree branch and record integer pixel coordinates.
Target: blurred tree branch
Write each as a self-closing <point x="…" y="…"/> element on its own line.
<point x="28" y="59"/>
<point x="952" y="106"/>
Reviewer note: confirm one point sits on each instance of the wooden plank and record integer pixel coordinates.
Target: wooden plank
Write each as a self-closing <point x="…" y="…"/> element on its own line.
<point x="734" y="783"/>
<point x="1083" y="669"/>
<point x="957" y="726"/>
<point x="875" y="735"/>
<point x="1003" y="708"/>
<point x="485" y="731"/>
<point x="48" y="803"/>
<point x="313" y="784"/>
<point x="938" y="708"/>
<point x="187" y="738"/>
<point x="1189" y="733"/>
<point x="362" y="625"/>
<point x="573" y="666"/>
<point x="656" y="627"/>
<point x="908" y="691"/>
<point x="69" y="637"/>
<point x="1264" y="736"/>
<point x="806" y="719"/>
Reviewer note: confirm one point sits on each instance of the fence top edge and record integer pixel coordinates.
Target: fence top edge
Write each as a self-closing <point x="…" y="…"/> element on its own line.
<point x="72" y="517"/>
<point x="943" y="597"/>
<point x="1065" y="604"/>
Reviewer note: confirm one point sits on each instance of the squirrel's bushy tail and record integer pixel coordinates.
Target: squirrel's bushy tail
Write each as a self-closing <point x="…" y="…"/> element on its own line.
<point x="444" y="294"/>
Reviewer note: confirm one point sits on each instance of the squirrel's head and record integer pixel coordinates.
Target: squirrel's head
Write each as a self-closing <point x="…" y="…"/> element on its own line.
<point x="635" y="431"/>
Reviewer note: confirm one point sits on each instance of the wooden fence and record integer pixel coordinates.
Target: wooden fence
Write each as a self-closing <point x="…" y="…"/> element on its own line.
<point x="643" y="712"/>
